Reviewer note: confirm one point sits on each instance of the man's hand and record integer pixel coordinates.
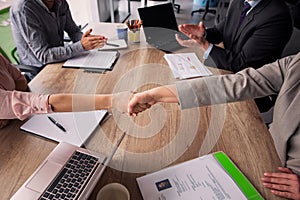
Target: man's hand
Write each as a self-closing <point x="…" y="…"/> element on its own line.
<point x="283" y="183"/>
<point x="90" y="42"/>
<point x="195" y="33"/>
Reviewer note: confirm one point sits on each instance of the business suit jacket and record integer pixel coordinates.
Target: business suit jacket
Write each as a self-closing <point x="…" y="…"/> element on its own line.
<point x="281" y="77"/>
<point x="260" y="39"/>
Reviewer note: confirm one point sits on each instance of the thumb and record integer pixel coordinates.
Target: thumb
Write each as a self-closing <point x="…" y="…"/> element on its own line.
<point x="201" y="24"/>
<point x="87" y="32"/>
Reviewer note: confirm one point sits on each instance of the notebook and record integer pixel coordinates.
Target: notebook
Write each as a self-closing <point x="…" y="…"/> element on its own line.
<point x="76" y="127"/>
<point x="69" y="172"/>
<point x="160" y="26"/>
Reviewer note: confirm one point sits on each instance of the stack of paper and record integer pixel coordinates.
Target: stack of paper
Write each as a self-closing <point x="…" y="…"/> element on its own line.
<point x="186" y="65"/>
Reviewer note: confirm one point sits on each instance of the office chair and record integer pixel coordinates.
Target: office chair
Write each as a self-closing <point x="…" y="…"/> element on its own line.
<point x="175" y="5"/>
<point x="205" y="10"/>
<point x="28" y="71"/>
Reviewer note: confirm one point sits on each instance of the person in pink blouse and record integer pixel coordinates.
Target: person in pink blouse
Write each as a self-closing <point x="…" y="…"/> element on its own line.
<point x="17" y="102"/>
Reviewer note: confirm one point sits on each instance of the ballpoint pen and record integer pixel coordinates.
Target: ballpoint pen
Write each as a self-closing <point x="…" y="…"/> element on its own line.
<point x="57" y="124"/>
<point x="110" y="44"/>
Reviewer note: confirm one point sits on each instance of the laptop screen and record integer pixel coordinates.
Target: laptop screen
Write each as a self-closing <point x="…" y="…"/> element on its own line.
<point x="160" y="26"/>
<point x="159" y="16"/>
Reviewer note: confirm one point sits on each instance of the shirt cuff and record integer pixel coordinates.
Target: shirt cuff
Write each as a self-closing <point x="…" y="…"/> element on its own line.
<point x="206" y="53"/>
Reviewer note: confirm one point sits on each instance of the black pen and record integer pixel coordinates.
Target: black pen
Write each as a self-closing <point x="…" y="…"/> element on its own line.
<point x="110" y="44"/>
<point x="57" y="124"/>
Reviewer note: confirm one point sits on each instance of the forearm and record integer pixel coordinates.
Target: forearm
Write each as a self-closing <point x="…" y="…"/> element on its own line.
<point x="77" y="102"/>
<point x="165" y="94"/>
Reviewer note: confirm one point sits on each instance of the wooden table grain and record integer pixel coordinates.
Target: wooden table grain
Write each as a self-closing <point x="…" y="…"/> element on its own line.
<point x="160" y="137"/>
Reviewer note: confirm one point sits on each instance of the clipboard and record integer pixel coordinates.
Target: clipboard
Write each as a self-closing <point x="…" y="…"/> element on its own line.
<point x="93" y="60"/>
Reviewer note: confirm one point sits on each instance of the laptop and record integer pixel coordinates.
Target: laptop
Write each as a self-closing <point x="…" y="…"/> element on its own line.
<point x="69" y="172"/>
<point x="160" y="27"/>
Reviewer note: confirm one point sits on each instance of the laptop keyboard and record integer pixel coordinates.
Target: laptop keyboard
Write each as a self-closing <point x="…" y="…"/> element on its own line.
<point x="72" y="178"/>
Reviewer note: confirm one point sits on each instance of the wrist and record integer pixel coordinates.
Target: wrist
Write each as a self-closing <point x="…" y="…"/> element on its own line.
<point x="205" y="45"/>
<point x="103" y="102"/>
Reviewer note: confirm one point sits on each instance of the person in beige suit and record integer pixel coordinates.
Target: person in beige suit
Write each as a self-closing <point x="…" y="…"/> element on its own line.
<point x="281" y="77"/>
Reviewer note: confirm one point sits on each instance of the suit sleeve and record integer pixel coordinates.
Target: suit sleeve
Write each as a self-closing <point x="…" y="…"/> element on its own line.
<point x="266" y="40"/>
<point x="247" y="84"/>
<point x="214" y="35"/>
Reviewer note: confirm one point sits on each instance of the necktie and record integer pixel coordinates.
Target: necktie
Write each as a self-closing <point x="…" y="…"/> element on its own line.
<point x="243" y="14"/>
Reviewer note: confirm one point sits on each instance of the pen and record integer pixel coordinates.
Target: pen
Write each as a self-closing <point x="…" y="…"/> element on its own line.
<point x="110" y="44"/>
<point x="115" y="148"/>
<point x="57" y="124"/>
<point x="82" y="27"/>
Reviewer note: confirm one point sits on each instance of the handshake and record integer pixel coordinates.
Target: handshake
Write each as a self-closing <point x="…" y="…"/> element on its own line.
<point x="134" y="103"/>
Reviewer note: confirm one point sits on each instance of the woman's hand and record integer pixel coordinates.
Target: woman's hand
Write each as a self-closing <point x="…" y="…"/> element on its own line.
<point x="283" y="183"/>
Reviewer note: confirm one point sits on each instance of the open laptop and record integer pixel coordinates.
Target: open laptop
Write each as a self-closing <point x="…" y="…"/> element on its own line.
<point x="160" y="26"/>
<point x="69" y="172"/>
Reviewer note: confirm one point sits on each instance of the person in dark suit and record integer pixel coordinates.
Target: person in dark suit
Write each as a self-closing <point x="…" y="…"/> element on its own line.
<point x="257" y="40"/>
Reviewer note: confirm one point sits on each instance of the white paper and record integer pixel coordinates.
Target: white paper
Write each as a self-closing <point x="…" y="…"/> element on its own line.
<point x="93" y="59"/>
<point x="122" y="45"/>
<point x="79" y="126"/>
<point x="186" y="65"/>
<point x="201" y="178"/>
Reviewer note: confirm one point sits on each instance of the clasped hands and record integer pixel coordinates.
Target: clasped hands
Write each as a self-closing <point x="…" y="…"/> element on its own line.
<point x="132" y="102"/>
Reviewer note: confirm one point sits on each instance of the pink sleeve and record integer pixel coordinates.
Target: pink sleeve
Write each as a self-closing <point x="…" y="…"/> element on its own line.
<point x="15" y="104"/>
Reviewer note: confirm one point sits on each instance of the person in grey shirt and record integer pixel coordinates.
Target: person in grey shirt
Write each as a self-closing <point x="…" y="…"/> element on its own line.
<point x="38" y="29"/>
<point x="281" y="77"/>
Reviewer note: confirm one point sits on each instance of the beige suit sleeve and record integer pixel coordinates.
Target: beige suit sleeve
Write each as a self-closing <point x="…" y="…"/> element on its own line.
<point x="247" y="84"/>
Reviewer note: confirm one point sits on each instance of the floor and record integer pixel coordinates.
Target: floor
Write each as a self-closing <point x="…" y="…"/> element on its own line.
<point x="184" y="16"/>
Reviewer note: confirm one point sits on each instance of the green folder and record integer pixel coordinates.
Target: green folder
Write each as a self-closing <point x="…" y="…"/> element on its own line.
<point x="243" y="183"/>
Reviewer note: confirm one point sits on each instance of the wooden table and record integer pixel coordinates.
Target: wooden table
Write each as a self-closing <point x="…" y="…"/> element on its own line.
<point x="159" y="137"/>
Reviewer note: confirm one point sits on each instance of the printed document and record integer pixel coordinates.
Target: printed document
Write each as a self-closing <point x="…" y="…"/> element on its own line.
<point x="186" y="65"/>
<point x="201" y="178"/>
<point x="78" y="126"/>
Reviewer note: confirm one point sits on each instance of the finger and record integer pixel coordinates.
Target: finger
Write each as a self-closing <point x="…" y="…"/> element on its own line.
<point x="277" y="186"/>
<point x="279" y="175"/>
<point x="132" y="103"/>
<point x="144" y="105"/>
<point x="284" y="169"/>
<point x="87" y="33"/>
<point x="201" y="25"/>
<point x="282" y="181"/>
<point x="287" y="195"/>
<point x="138" y="109"/>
